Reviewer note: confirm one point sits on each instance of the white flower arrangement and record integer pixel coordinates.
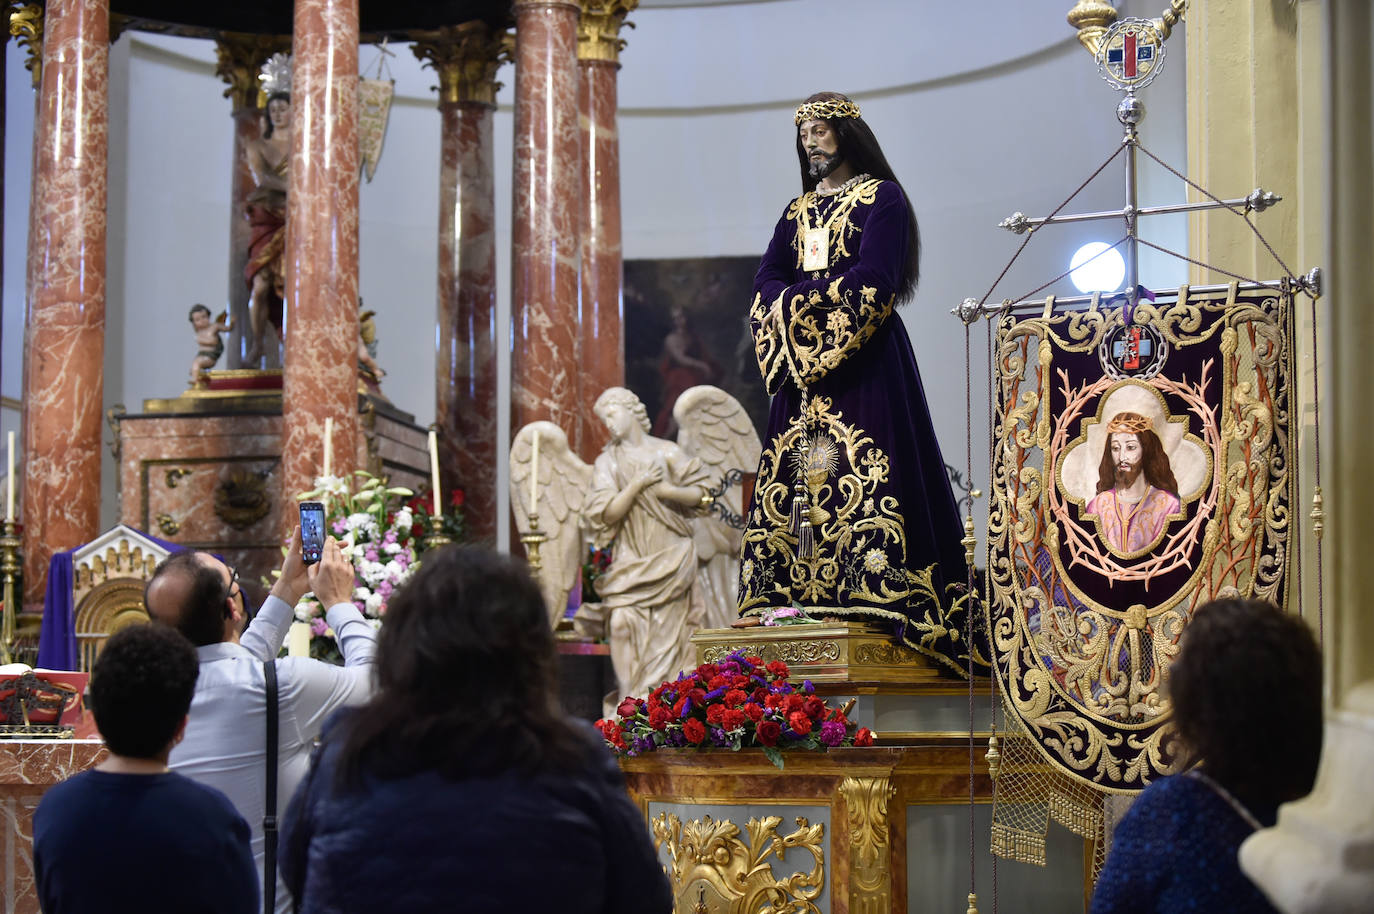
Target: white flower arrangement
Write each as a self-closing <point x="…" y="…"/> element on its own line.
<point x="377" y="538"/>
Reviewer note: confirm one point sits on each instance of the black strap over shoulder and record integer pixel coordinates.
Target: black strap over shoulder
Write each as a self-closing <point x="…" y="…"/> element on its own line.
<point x="269" y="819"/>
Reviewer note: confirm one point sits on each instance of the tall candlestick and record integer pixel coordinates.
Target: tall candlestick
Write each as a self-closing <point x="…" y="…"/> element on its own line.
<point x="9" y="483"/>
<point x="534" y="475"/>
<point x="328" y="444"/>
<point x="434" y="471"/>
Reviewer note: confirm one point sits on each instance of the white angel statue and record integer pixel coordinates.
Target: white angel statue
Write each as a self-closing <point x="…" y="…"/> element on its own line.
<point x="560" y="490"/>
<point x="673" y="569"/>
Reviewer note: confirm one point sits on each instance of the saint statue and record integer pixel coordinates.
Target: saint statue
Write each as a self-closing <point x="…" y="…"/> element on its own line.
<point x="269" y="160"/>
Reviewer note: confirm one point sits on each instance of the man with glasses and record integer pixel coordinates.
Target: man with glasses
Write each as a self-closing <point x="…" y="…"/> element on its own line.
<point x="225" y="742"/>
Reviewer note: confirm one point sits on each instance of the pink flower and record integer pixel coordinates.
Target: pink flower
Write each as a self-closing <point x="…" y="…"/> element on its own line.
<point x="318" y="626"/>
<point x="371" y="554"/>
<point x="390" y="537"/>
<point x="340" y="527"/>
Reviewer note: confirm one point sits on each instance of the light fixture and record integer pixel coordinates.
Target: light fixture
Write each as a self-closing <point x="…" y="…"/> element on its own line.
<point x="1097" y="267"/>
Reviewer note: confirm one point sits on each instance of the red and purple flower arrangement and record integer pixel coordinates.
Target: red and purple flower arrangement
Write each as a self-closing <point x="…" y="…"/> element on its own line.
<point x="737" y="703"/>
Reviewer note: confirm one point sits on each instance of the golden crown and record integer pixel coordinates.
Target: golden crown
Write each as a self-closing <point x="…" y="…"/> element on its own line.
<point x="1130" y="422"/>
<point x="830" y="107"/>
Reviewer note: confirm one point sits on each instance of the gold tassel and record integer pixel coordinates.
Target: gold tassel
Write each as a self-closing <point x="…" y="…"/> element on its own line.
<point x="972" y="903"/>
<point x="994" y="756"/>
<point x="798" y="508"/>
<point x="806" y="540"/>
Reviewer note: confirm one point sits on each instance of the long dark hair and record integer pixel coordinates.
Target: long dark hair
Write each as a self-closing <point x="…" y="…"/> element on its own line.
<point x="466" y="677"/>
<point x="1154" y="462"/>
<point x="1245" y="672"/>
<point x="859" y="147"/>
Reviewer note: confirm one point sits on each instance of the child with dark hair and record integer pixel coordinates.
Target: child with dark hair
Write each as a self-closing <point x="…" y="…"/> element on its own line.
<point x="1246" y="672"/>
<point x="131" y="835"/>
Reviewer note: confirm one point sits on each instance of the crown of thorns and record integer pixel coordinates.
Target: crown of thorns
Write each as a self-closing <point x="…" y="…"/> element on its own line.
<point x="1130" y="422"/>
<point x="831" y="107"/>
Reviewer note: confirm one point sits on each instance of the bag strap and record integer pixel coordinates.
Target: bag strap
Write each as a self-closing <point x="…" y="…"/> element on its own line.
<point x="269" y="819"/>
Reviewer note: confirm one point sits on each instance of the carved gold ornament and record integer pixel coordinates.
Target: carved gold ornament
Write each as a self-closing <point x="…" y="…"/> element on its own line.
<point x="466" y="57"/>
<point x="712" y="870"/>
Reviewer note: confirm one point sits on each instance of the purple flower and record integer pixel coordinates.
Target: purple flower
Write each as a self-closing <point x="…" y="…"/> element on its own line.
<point x="340" y="527"/>
<point x="807" y="688"/>
<point x="371" y="554"/>
<point x="318" y="626"/>
<point x="385" y="589"/>
<point x="832" y="733"/>
<point x="390" y="537"/>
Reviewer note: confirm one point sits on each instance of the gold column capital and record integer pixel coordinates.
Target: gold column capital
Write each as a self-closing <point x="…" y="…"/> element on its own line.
<point x="466" y="57"/>
<point x="26" y="25"/>
<point x="598" y="30"/>
<point x="240" y="57"/>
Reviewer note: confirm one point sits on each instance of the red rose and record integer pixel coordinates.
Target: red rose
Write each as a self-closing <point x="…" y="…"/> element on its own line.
<point x="753" y="712"/>
<point x="658" y="718"/>
<point x="457" y="499"/>
<point x="694" y="730"/>
<point x="815" y="708"/>
<point x="706" y="671"/>
<point x="698" y="697"/>
<point x="773" y="701"/>
<point x="864" y="737"/>
<point x="769" y="731"/>
<point x="678" y="706"/>
<point x="717" y="682"/>
<point x="734" y="698"/>
<point x="754" y="661"/>
<point x="738" y="682"/>
<point x="732" y="719"/>
<point x="714" y="715"/>
<point x="628" y="708"/>
<point x="793" y="703"/>
<point x="799" y="722"/>
<point x="779" y="669"/>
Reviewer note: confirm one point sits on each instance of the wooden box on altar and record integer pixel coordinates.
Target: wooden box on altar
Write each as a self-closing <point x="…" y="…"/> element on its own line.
<point x="203" y="469"/>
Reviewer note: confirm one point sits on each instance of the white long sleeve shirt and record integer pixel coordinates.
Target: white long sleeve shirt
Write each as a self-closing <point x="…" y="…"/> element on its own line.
<point x="224" y="745"/>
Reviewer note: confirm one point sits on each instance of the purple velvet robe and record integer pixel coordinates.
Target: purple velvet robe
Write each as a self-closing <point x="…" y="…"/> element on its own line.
<point x="849" y="412"/>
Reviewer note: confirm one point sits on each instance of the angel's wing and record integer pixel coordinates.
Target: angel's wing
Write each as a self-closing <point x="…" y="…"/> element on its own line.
<point x="715" y="429"/>
<point x="563" y="482"/>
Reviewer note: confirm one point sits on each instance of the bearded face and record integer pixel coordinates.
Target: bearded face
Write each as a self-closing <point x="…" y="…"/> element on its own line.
<point x="1126" y="458"/>
<point x="822" y="148"/>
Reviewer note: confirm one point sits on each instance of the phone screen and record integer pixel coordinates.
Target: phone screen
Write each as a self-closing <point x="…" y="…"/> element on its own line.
<point x="312" y="531"/>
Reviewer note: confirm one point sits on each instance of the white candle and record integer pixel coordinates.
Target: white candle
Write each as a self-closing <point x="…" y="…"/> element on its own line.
<point x="298" y="641"/>
<point x="328" y="444"/>
<point x="434" y="471"/>
<point x="534" y="474"/>
<point x="9" y="484"/>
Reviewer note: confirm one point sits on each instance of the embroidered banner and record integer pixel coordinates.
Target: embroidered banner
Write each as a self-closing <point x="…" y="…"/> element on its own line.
<point x="1139" y="470"/>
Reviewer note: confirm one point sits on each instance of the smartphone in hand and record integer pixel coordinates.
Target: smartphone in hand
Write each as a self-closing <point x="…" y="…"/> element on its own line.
<point x="312" y="531"/>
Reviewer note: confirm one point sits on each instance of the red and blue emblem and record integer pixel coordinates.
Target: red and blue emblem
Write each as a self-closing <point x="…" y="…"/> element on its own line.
<point x="1130" y="54"/>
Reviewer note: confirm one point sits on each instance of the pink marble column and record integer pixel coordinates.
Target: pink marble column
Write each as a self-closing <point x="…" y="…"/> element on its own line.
<point x="320" y="375"/>
<point x="602" y="309"/>
<point x="65" y="325"/>
<point x="544" y="232"/>
<point x="466" y="58"/>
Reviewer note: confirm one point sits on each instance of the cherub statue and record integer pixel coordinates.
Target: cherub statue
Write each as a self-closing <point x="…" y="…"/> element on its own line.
<point x="208" y="338"/>
<point x="643" y="497"/>
<point x="367" y="344"/>
<point x="562" y="484"/>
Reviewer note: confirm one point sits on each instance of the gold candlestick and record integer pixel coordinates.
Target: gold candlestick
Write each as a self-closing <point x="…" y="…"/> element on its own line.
<point x="436" y="536"/>
<point x="532" y="540"/>
<point x="9" y="566"/>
